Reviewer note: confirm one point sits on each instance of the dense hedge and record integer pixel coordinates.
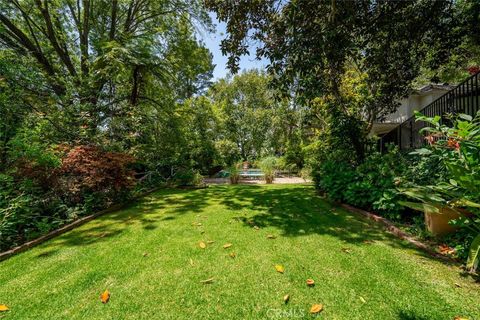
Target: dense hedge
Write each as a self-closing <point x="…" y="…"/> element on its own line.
<point x="37" y="196"/>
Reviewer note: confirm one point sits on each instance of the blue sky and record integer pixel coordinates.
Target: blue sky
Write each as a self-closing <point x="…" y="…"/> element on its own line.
<point x="212" y="41"/>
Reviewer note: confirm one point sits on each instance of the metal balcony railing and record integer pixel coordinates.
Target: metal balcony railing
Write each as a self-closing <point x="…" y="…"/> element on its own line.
<point x="465" y="98"/>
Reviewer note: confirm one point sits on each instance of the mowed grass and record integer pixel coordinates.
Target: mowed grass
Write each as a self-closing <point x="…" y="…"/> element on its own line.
<point x="148" y="257"/>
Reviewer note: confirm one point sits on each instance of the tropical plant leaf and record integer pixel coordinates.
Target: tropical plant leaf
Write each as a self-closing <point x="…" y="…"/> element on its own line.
<point x="474" y="254"/>
<point x="422" y="151"/>
<point x="465" y="117"/>
<point x="420" y="206"/>
<point x="465" y="203"/>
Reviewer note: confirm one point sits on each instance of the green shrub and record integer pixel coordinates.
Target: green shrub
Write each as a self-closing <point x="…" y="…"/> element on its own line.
<point x="228" y="152"/>
<point x="457" y="148"/>
<point x="188" y="177"/>
<point x="333" y="178"/>
<point x="370" y="185"/>
<point x="306" y="173"/>
<point x="234" y="173"/>
<point x="39" y="193"/>
<point x="268" y="167"/>
<point x="26" y="212"/>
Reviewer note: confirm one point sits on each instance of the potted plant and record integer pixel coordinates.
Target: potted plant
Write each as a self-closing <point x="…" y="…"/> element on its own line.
<point x="234" y="173"/>
<point x="268" y="167"/>
<point x="456" y="202"/>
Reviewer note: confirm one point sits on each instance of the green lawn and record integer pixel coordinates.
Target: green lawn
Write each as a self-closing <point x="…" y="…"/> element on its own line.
<point x="378" y="279"/>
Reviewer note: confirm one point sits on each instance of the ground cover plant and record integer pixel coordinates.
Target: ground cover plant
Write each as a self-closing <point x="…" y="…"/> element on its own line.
<point x="214" y="253"/>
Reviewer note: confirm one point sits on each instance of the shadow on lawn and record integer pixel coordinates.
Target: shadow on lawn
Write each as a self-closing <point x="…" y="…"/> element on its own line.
<point x="409" y="315"/>
<point x="299" y="212"/>
<point x="143" y="211"/>
<point x="294" y="211"/>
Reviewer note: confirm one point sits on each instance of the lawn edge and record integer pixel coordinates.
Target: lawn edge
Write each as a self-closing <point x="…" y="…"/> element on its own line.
<point x="54" y="233"/>
<point x="394" y="230"/>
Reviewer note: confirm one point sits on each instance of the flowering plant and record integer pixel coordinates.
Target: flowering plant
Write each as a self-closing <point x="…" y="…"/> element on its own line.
<point x="458" y="147"/>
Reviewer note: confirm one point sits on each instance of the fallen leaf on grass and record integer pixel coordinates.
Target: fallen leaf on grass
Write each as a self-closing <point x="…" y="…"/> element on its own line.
<point x="202" y="245"/>
<point x="362" y="299"/>
<point x="460" y="318"/>
<point x="208" y="281"/>
<point x="105" y="296"/>
<point x="233" y="255"/>
<point x="210" y="241"/>
<point x="286" y="298"/>
<point x="316" y="308"/>
<point x="347" y="250"/>
<point x="256" y="227"/>
<point x="310" y="282"/>
<point x="145" y="254"/>
<point x="3" y="308"/>
<point x="227" y="245"/>
<point x="458" y="285"/>
<point x="191" y="262"/>
<point x="368" y="241"/>
<point x="279" y="268"/>
<point x="271" y="236"/>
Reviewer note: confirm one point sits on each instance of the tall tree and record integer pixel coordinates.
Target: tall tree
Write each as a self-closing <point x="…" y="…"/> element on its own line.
<point x="245" y="108"/>
<point x="96" y="57"/>
<point x="311" y="45"/>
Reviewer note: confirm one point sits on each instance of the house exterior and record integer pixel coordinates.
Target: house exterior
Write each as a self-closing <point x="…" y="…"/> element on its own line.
<point x="416" y="101"/>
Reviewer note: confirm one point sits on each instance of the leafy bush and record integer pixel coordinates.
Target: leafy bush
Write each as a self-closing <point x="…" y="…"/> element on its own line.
<point x="228" y="152"/>
<point x="234" y="173"/>
<point x="26" y="211"/>
<point x="88" y="171"/>
<point x="457" y="148"/>
<point x="268" y="167"/>
<point x="370" y="185"/>
<point x="188" y="177"/>
<point x="306" y="173"/>
<point x="333" y="178"/>
<point x="37" y="196"/>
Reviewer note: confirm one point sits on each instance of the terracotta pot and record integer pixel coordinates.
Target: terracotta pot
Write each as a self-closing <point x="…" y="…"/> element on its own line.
<point x="437" y="223"/>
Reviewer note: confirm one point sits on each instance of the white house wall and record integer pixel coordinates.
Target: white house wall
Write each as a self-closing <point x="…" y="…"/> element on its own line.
<point x="412" y="103"/>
